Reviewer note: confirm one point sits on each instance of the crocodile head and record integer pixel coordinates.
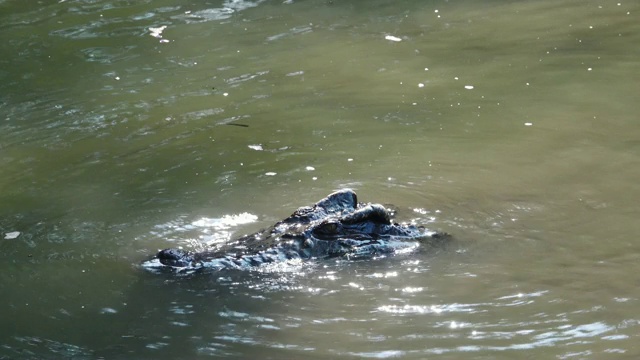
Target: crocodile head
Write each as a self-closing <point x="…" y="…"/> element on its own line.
<point x="335" y="226"/>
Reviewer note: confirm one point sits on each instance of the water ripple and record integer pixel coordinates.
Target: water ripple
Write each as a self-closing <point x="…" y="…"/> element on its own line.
<point x="229" y="7"/>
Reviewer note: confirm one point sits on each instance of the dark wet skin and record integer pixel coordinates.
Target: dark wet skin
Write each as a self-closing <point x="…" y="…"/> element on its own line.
<point x="334" y="226"/>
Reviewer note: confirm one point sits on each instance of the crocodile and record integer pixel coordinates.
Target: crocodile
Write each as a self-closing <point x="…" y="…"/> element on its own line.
<point x="338" y="226"/>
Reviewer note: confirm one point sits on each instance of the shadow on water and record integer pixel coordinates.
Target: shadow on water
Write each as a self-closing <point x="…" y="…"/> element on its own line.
<point x="171" y="316"/>
<point x="244" y="314"/>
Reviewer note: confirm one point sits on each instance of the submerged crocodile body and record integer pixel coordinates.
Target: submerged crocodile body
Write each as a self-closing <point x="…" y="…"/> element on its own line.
<point x="336" y="226"/>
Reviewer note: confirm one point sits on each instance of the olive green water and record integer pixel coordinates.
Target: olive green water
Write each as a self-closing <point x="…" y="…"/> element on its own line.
<point x="512" y="125"/>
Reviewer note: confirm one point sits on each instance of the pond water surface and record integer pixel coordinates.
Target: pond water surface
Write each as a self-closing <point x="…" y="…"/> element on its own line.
<point x="132" y="126"/>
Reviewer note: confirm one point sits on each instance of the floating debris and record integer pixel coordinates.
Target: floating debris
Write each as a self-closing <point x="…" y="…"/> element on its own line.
<point x="11" y="235"/>
<point x="468" y="87"/>
<point x="157" y="32"/>
<point x="392" y="38"/>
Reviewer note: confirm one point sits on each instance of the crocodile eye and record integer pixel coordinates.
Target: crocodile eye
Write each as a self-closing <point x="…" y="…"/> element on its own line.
<point x="328" y="228"/>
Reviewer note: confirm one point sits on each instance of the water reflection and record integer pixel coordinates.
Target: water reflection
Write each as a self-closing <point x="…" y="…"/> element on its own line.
<point x="33" y="345"/>
<point x="202" y="233"/>
<point x="229" y="7"/>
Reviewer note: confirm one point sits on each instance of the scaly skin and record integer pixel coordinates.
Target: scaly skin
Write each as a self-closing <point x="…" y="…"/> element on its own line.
<point x="336" y="226"/>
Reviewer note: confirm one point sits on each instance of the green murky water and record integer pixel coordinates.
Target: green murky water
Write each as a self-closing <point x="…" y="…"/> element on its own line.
<point x="512" y="125"/>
